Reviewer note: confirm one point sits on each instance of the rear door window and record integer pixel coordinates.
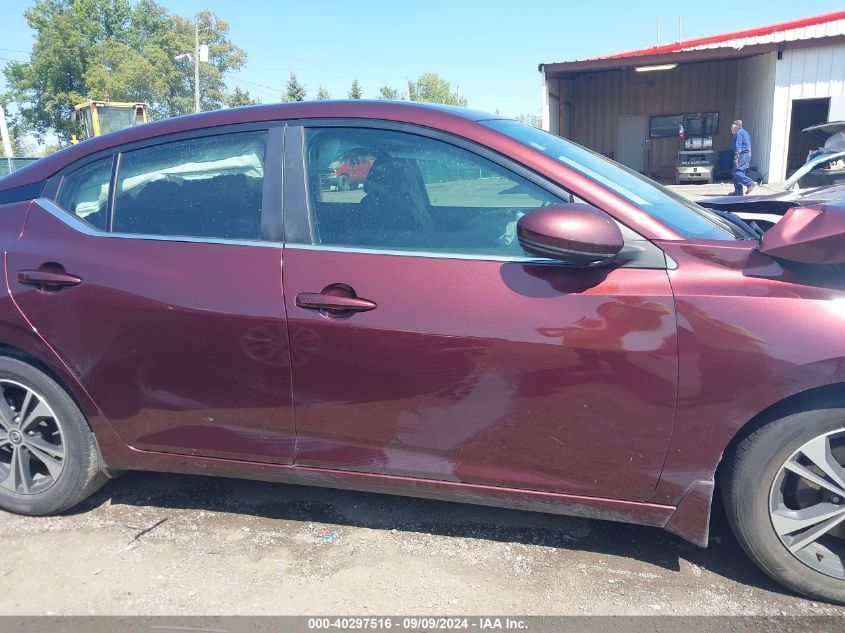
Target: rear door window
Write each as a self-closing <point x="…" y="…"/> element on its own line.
<point x="200" y="187"/>
<point x="84" y="192"/>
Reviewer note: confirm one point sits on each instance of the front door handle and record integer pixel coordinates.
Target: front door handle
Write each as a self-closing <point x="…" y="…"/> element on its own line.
<point x="320" y="301"/>
<point x="48" y="279"/>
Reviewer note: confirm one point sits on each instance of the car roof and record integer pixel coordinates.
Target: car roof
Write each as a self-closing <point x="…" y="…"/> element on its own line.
<point x="449" y="118"/>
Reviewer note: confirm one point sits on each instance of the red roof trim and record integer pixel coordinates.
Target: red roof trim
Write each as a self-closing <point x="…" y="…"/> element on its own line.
<point x="713" y="39"/>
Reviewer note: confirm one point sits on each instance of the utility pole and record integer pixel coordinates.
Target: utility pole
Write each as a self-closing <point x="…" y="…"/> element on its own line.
<point x="7" y="143"/>
<point x="196" y="65"/>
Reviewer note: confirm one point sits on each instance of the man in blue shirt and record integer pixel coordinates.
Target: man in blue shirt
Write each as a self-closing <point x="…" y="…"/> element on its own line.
<point x="742" y="159"/>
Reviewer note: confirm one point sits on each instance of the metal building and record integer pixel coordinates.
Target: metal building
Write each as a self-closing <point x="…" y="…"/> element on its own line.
<point x="778" y="79"/>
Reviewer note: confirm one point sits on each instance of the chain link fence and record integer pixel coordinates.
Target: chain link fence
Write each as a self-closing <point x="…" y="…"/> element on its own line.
<point x="8" y="165"/>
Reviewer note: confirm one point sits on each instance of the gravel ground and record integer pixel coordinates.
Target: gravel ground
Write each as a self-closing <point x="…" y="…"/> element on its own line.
<point x="165" y="544"/>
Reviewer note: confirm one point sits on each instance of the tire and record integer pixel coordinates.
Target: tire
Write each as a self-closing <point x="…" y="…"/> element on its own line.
<point x="765" y="496"/>
<point x="343" y="183"/>
<point x="48" y="457"/>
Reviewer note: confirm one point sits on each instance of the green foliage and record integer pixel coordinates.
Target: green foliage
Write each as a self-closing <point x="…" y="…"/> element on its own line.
<point x="94" y="49"/>
<point x="355" y="91"/>
<point x="534" y="120"/>
<point x="240" y="98"/>
<point x="432" y="88"/>
<point x="294" y="91"/>
<point x="386" y="92"/>
<point x="323" y="94"/>
<point x="223" y="57"/>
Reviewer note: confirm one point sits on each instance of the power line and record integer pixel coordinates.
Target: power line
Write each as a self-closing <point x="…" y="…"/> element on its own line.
<point x="252" y="83"/>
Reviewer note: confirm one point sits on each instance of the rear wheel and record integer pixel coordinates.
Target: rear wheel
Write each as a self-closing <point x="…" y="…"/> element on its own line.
<point x="48" y="459"/>
<point x="343" y="183"/>
<point x="784" y="493"/>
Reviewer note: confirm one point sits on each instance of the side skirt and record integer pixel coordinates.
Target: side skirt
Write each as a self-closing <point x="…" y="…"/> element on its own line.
<point x="650" y="514"/>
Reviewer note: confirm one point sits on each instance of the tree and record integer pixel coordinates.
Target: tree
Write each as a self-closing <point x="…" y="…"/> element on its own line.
<point x="94" y="49"/>
<point x="432" y="88"/>
<point x="534" y="120"/>
<point x="294" y="91"/>
<point x="386" y="92"/>
<point x="355" y="91"/>
<point x="323" y="94"/>
<point x="223" y="58"/>
<point x="240" y="98"/>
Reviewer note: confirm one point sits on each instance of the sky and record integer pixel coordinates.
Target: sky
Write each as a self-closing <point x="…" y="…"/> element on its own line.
<point x="489" y="50"/>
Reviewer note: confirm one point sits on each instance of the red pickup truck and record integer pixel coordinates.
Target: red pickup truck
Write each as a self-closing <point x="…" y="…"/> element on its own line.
<point x="351" y="169"/>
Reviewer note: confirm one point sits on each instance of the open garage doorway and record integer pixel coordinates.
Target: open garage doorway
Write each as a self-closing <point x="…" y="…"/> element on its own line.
<point x="805" y="112"/>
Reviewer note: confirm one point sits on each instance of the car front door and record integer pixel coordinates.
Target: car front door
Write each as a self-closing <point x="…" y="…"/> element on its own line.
<point x="426" y="344"/>
<point x="155" y="274"/>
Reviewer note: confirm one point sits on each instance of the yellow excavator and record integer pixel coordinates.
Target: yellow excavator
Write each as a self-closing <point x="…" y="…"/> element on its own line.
<point x="101" y="117"/>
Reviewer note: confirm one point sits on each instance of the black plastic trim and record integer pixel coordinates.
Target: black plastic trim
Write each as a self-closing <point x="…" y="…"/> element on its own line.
<point x="115" y="167"/>
<point x="22" y="193"/>
<point x="272" y="227"/>
<point x="297" y="225"/>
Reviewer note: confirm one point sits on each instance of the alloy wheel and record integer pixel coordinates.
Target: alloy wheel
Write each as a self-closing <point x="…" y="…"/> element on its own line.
<point x="807" y="504"/>
<point x="32" y="448"/>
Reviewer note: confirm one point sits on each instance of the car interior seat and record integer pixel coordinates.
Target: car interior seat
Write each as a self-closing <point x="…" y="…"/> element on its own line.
<point x="396" y="197"/>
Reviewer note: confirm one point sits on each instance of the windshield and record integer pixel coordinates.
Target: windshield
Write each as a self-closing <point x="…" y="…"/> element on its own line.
<point x="113" y="119"/>
<point x="685" y="217"/>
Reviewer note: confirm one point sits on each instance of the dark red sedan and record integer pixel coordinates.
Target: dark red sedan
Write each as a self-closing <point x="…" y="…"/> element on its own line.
<point x="498" y="316"/>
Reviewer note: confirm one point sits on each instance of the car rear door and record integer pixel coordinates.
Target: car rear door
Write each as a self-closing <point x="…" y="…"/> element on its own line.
<point x="155" y="274"/>
<point x="425" y="344"/>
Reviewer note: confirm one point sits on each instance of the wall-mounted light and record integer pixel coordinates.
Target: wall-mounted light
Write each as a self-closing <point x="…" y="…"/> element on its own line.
<point x="646" y="69"/>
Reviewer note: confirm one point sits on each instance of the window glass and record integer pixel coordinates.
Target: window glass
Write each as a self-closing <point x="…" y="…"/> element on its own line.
<point x="203" y="187"/>
<point x="393" y="190"/>
<point x="686" y="218"/>
<point x="665" y="125"/>
<point x="112" y="119"/>
<point x="85" y="192"/>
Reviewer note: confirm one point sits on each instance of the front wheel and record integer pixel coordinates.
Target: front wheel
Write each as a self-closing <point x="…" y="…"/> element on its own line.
<point x="48" y="459"/>
<point x="784" y="495"/>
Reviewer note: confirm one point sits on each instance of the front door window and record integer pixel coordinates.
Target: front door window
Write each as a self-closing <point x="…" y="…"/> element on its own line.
<point x="400" y="191"/>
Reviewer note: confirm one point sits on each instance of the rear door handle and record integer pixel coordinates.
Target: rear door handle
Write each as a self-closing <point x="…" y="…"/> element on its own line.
<point x="48" y="279"/>
<point x="320" y="301"/>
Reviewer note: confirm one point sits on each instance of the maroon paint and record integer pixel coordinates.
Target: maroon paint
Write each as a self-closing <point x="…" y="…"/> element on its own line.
<point x="750" y="334"/>
<point x="811" y="235"/>
<point x="559" y="381"/>
<point x="17" y="332"/>
<point x="537" y="501"/>
<point x="577" y="228"/>
<point x="691" y="519"/>
<point x="182" y="345"/>
<point x="463" y="370"/>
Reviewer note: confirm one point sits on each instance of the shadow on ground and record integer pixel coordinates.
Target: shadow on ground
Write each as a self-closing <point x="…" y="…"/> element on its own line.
<point x="386" y="512"/>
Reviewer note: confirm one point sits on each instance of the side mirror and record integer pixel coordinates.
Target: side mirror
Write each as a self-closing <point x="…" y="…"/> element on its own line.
<point x="577" y="234"/>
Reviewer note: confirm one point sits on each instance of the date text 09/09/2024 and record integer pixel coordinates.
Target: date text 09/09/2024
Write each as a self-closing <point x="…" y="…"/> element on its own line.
<point x="417" y="623"/>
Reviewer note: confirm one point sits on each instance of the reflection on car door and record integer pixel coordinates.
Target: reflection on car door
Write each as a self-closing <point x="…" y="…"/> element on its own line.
<point x="181" y="341"/>
<point x="467" y="366"/>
